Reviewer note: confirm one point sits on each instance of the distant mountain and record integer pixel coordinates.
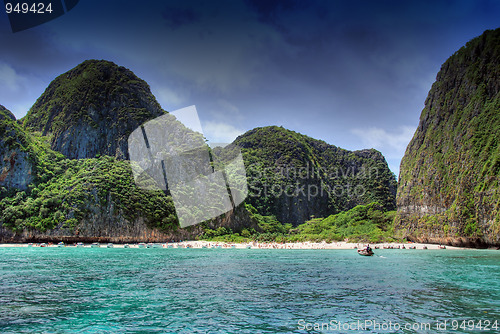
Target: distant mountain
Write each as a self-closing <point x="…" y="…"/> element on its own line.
<point x="91" y="109"/>
<point x="294" y="177"/>
<point x="449" y="188"/>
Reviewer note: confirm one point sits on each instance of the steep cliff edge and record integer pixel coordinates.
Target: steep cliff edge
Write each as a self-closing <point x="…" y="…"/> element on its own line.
<point x="449" y="188"/>
<point x="91" y="109"/>
<point x="16" y="157"/>
<point x="293" y="177"/>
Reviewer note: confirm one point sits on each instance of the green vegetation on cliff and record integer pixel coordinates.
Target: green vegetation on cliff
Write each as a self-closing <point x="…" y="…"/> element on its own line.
<point x="293" y="177"/>
<point x="363" y="223"/>
<point x="448" y="185"/>
<point x="62" y="192"/>
<point x="94" y="84"/>
<point x="11" y="133"/>
<point x="91" y="109"/>
<point x="78" y="187"/>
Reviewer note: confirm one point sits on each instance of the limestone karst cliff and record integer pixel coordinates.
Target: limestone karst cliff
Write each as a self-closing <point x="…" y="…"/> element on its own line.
<point x="16" y="157"/>
<point x="294" y="177"/>
<point x="449" y="187"/>
<point x="91" y="109"/>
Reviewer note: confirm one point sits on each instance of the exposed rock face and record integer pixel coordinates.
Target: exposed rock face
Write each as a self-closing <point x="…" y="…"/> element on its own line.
<point x="449" y="179"/>
<point x="106" y="224"/>
<point x="15" y="164"/>
<point x="91" y="109"/>
<point x="294" y="177"/>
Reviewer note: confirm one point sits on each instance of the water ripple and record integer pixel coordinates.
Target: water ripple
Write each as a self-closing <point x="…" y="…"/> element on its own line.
<point x="83" y="290"/>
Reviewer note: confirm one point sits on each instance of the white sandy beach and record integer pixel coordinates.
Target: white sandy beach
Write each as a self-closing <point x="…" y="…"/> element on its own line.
<point x="252" y="245"/>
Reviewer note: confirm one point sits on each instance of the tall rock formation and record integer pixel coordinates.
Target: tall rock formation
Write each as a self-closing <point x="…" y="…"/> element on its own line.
<point x="91" y="109"/>
<point x="449" y="188"/>
<point x="16" y="156"/>
<point x="294" y="177"/>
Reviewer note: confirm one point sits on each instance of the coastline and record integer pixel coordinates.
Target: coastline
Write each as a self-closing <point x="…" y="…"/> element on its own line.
<point x="252" y="245"/>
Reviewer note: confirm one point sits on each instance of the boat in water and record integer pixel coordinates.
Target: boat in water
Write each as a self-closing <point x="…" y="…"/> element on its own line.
<point x="366" y="251"/>
<point x="110" y="245"/>
<point x="95" y="245"/>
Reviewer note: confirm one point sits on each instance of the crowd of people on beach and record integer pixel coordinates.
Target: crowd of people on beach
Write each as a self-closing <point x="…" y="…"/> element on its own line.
<point x="253" y="245"/>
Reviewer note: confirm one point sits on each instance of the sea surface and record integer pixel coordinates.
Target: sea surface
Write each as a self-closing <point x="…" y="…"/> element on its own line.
<point x="116" y="290"/>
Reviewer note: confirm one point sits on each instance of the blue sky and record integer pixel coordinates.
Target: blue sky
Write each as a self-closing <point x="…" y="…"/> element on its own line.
<point x="352" y="73"/>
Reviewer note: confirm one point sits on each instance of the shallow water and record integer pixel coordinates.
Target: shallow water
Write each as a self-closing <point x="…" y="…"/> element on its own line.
<point x="101" y="290"/>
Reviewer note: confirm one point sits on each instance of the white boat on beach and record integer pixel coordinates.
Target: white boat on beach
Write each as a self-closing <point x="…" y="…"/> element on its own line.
<point x="110" y="245"/>
<point x="61" y="244"/>
<point x="95" y="245"/>
<point x="80" y="244"/>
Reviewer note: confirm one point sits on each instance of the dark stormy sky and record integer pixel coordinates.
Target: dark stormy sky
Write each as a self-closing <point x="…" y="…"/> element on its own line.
<point x="352" y="73"/>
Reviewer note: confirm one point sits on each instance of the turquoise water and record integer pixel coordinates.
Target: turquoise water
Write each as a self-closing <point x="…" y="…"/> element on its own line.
<point x="100" y="290"/>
